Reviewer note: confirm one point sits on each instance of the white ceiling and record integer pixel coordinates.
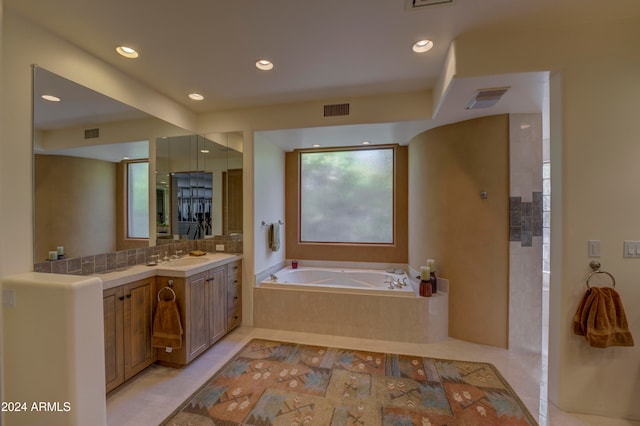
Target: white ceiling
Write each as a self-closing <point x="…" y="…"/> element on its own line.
<point x="321" y="49"/>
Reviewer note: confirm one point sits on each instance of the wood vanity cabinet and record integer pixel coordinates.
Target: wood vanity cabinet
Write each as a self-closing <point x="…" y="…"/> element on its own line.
<point x="203" y="301"/>
<point x="128" y="319"/>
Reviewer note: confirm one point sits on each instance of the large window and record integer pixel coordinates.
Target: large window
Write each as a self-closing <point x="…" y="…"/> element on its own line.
<point x="138" y="200"/>
<point x="346" y="196"/>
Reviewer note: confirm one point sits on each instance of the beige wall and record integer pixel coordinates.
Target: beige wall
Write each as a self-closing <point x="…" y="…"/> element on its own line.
<point x="78" y="214"/>
<point x="466" y="235"/>
<point x="595" y="87"/>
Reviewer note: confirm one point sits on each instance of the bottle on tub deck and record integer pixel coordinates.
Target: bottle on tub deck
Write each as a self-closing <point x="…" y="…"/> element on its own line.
<point x="434" y="281"/>
<point x="425" y="288"/>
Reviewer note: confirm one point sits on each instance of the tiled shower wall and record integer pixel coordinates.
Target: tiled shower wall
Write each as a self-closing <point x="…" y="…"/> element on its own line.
<point x="105" y="262"/>
<point x="525" y="232"/>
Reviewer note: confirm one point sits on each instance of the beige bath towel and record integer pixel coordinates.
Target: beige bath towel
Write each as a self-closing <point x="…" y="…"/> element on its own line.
<point x="601" y="319"/>
<point x="274" y="236"/>
<point x="167" y="327"/>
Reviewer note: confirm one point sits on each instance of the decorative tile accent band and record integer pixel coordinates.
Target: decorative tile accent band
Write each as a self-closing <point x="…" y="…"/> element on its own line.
<point x="106" y="262"/>
<point x="525" y="219"/>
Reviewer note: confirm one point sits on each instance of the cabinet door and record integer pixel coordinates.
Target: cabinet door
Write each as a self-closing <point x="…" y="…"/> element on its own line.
<point x="198" y="327"/>
<point x="138" y="321"/>
<point x="113" y="353"/>
<point x="217" y="304"/>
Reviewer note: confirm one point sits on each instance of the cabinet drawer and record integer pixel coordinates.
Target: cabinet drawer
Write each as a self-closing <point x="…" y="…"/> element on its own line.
<point x="234" y="284"/>
<point x="234" y="267"/>
<point x="234" y="299"/>
<point x="234" y="289"/>
<point x="235" y="318"/>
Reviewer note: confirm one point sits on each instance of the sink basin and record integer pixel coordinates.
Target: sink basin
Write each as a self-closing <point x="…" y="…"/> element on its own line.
<point x="187" y="261"/>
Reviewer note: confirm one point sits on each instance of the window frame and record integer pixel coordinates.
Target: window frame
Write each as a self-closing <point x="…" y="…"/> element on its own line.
<point x="393" y="192"/>
<point x="396" y="252"/>
<point x="127" y="200"/>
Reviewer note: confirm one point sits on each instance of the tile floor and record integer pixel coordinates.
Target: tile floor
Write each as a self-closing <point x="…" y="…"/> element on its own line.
<point x="155" y="393"/>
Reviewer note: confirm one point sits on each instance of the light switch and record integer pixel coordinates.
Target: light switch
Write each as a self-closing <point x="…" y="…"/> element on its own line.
<point x="594" y="248"/>
<point x="9" y="298"/>
<point x="631" y="248"/>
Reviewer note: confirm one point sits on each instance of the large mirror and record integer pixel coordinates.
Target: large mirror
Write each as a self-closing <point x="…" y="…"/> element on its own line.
<point x="86" y="145"/>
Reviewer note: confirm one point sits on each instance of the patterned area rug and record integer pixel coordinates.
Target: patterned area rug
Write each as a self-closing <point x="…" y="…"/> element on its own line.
<point x="277" y="383"/>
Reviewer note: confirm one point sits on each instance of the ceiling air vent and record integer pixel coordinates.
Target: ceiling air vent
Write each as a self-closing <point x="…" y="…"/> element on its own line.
<point x="336" y="110"/>
<point x="420" y="3"/>
<point x="486" y="98"/>
<point x="91" y="133"/>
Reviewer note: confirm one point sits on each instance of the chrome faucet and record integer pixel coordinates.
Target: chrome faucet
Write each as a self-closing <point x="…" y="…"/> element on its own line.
<point x="393" y="282"/>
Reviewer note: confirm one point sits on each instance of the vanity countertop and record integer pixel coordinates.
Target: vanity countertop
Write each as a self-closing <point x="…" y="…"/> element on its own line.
<point x="167" y="269"/>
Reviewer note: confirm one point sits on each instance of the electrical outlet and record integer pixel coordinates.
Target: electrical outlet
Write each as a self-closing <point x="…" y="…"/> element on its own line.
<point x="219" y="247"/>
<point x="594" y="248"/>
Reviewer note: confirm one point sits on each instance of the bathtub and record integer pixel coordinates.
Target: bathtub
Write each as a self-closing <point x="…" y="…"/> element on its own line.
<point x="349" y="302"/>
<point x="368" y="281"/>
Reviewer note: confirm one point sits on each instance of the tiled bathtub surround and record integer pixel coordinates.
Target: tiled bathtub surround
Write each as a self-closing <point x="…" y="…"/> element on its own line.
<point x="106" y="262"/>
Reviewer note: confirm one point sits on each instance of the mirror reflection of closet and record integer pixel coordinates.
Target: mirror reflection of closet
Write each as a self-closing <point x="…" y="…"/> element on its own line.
<point x="192" y="185"/>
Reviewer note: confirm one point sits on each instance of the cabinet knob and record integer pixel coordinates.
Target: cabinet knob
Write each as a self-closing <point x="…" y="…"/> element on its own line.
<point x="235" y="298"/>
<point x="121" y="298"/>
<point x="129" y="296"/>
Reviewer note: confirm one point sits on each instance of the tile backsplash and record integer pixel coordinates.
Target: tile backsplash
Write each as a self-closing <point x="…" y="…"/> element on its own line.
<point x="106" y="262"/>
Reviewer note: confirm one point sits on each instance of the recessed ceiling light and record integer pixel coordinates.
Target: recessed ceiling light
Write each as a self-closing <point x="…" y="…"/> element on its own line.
<point x="196" y="96"/>
<point x="315" y="145"/>
<point x="264" y="65"/>
<point x="50" y="98"/>
<point x="127" y="52"/>
<point x="422" y="46"/>
<point x="125" y="158"/>
<point x="204" y="151"/>
<point x="365" y="142"/>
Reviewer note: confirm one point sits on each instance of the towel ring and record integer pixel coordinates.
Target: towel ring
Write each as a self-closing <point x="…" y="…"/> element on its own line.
<point x="167" y="288"/>
<point x="595" y="265"/>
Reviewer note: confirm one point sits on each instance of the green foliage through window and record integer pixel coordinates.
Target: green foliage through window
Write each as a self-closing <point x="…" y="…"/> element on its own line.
<point x="347" y="196"/>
